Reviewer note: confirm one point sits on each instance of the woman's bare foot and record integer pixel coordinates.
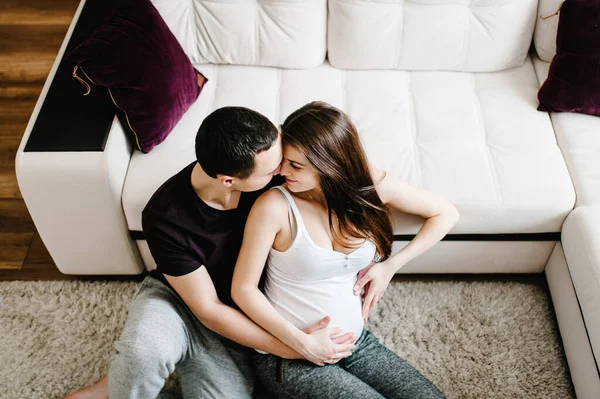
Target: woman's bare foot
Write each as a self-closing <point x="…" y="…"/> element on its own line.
<point x="97" y="391"/>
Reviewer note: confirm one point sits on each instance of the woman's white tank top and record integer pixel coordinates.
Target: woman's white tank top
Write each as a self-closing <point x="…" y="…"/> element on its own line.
<point x="306" y="282"/>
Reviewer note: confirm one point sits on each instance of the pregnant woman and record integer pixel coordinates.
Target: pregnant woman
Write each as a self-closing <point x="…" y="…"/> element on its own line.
<point x="326" y="227"/>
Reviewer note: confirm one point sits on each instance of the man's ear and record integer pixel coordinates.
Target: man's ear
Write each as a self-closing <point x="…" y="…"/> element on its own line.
<point x="225" y="180"/>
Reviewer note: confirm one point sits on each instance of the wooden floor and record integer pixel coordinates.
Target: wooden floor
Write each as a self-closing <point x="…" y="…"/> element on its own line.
<point x="31" y="32"/>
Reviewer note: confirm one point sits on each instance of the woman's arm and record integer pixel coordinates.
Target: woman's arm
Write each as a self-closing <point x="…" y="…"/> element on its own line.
<point x="440" y="217"/>
<point x="264" y="223"/>
<point x="439" y="213"/>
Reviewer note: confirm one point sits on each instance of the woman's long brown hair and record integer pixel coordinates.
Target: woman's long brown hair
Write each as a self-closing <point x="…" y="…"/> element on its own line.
<point x="329" y="140"/>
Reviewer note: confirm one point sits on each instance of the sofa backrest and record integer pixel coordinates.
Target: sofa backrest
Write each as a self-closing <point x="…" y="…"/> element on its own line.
<point x="455" y="35"/>
<point x="280" y="33"/>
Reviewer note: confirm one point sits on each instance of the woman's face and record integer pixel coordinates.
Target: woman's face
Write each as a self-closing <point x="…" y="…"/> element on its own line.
<point x="299" y="174"/>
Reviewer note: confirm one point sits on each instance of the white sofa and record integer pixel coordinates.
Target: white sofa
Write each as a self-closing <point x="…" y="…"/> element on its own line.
<point x="444" y="94"/>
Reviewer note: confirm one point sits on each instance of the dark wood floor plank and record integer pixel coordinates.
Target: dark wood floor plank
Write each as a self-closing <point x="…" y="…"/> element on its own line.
<point x="31" y="39"/>
<point x="30" y="16"/>
<point x="38" y="265"/>
<point x="13" y="249"/>
<point x="16" y="232"/>
<point x="14" y="117"/>
<point x="37" y="12"/>
<point x="27" y="52"/>
<point x="14" y="217"/>
<point x="16" y="109"/>
<point x="23" y="69"/>
<point x="8" y="150"/>
<point x="40" y="12"/>
<point x="38" y="254"/>
<point x="16" y="106"/>
<point x="10" y="92"/>
<point x="9" y="188"/>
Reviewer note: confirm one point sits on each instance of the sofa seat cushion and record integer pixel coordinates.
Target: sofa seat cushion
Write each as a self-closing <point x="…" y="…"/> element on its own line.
<point x="581" y="243"/>
<point x="475" y="138"/>
<point x="578" y="137"/>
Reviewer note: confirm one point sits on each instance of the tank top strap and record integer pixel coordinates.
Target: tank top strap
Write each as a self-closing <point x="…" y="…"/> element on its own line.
<point x="295" y="222"/>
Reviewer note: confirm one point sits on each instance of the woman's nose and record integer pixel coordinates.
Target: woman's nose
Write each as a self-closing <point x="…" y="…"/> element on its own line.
<point x="284" y="171"/>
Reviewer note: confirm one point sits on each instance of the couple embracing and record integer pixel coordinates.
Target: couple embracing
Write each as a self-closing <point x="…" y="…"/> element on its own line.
<point x="271" y="278"/>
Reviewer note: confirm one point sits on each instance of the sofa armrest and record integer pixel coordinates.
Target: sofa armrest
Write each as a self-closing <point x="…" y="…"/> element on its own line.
<point x="65" y="113"/>
<point x="71" y="167"/>
<point x="574" y="335"/>
<point x="581" y="243"/>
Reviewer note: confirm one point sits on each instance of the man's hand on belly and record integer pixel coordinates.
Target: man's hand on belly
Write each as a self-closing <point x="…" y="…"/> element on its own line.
<point x="348" y="338"/>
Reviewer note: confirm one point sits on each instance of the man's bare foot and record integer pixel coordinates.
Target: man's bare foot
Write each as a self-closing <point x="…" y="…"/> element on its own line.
<point x="97" y="391"/>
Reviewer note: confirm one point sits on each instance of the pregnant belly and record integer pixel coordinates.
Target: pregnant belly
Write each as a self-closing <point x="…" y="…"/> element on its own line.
<point x="307" y="304"/>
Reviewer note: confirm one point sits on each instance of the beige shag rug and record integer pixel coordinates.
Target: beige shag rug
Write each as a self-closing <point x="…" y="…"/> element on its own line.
<point x="473" y="339"/>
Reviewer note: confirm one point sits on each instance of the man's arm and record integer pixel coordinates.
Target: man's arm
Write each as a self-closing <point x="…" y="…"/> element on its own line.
<point x="198" y="292"/>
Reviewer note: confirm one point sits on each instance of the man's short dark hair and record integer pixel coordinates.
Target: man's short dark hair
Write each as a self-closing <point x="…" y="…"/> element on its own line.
<point x="229" y="139"/>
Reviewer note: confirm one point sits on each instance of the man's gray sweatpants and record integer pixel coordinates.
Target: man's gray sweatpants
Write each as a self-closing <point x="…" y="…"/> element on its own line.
<point x="162" y="334"/>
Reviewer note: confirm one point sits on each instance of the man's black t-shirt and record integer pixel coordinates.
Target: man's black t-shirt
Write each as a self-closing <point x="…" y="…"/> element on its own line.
<point x="184" y="233"/>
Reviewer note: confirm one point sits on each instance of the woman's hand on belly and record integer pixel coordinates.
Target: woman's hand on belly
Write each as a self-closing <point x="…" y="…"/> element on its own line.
<point x="374" y="278"/>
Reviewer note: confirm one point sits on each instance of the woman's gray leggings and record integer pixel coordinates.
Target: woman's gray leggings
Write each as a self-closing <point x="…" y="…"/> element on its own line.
<point x="373" y="371"/>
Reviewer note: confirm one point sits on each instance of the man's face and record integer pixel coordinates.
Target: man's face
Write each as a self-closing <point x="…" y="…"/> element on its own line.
<point x="266" y="165"/>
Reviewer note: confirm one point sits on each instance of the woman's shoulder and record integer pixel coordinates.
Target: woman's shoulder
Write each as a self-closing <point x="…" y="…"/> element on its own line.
<point x="273" y="203"/>
<point x="377" y="174"/>
<point x="380" y="181"/>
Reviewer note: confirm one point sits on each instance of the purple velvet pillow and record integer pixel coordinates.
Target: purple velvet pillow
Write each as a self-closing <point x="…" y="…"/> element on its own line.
<point x="149" y="77"/>
<point x="573" y="83"/>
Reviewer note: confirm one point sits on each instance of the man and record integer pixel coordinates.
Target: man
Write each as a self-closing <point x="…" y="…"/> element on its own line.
<point x="183" y="316"/>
